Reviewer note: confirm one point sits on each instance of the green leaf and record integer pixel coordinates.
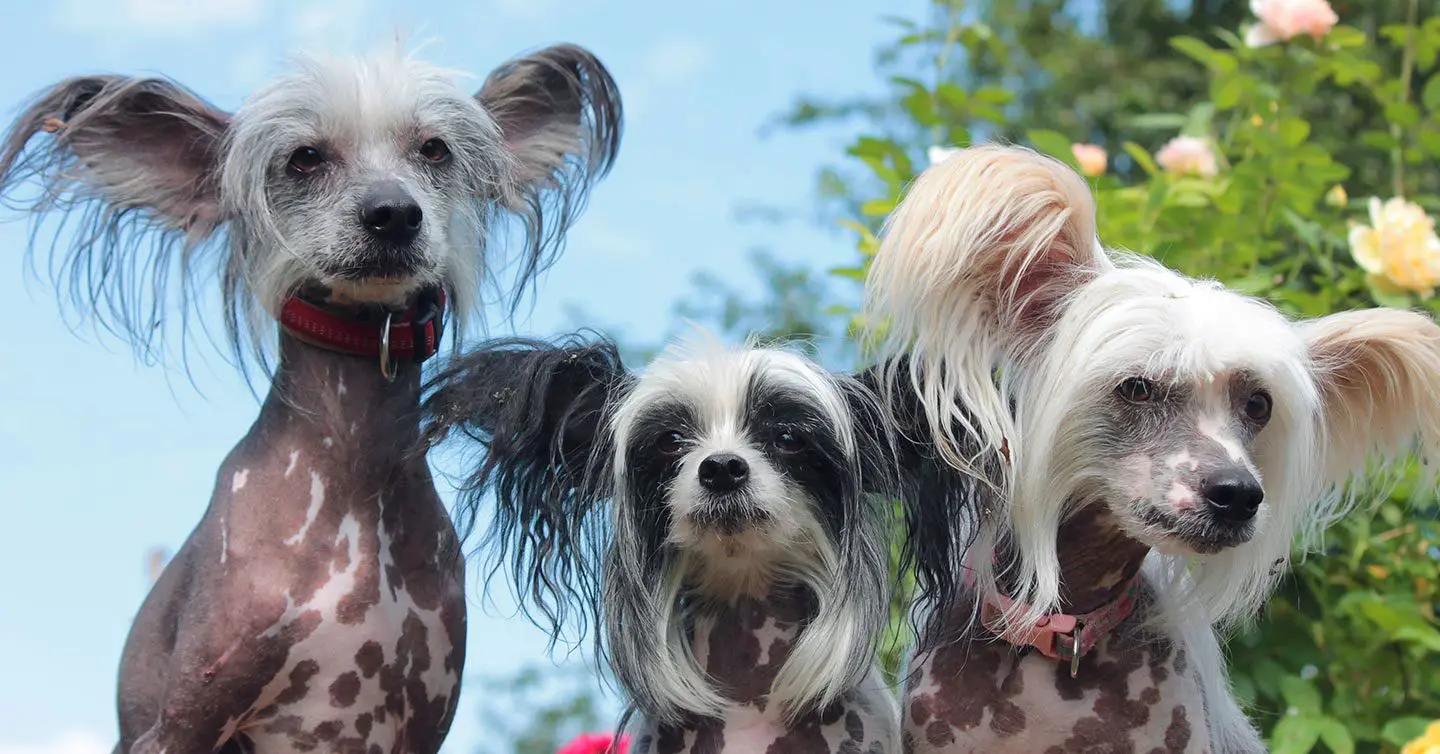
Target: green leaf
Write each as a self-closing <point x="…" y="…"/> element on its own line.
<point x="1403" y="730"/>
<point x="877" y="207"/>
<point x="1335" y="735"/>
<point x="1345" y="36"/>
<point x="953" y="96"/>
<point x="1402" y="114"/>
<point x="1423" y="635"/>
<point x="992" y="95"/>
<point x="1227" y="90"/>
<point x="1300" y="694"/>
<point x="1381" y="140"/>
<point x="1430" y="142"/>
<point x="1142" y="158"/>
<point x="1222" y="62"/>
<point x="1159" y="121"/>
<point x="1052" y="143"/>
<point x="1293" y="131"/>
<point x="1294" y="735"/>
<point x="1430" y="96"/>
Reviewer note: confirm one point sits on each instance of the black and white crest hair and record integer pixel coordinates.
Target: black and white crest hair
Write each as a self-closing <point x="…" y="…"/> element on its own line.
<point x="367" y="178"/>
<point x="713" y="475"/>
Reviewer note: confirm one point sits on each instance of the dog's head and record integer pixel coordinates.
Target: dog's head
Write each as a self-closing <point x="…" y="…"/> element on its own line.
<point x="1207" y="422"/>
<point x="366" y="179"/>
<point x="724" y="474"/>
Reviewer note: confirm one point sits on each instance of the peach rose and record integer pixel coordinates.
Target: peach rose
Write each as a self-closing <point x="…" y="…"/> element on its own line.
<point x="1283" y="19"/>
<point x="1187" y="155"/>
<point x="1091" y="158"/>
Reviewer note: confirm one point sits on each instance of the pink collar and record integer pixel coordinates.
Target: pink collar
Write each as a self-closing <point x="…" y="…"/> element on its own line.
<point x="1059" y="636"/>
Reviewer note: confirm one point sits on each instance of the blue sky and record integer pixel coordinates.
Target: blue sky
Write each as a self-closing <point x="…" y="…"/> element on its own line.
<point x="105" y="458"/>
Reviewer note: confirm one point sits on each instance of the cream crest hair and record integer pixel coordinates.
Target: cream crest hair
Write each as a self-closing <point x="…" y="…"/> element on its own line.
<point x="1021" y="330"/>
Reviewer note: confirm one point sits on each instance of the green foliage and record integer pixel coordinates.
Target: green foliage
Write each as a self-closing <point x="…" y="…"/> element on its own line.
<point x="1346" y="657"/>
<point x="539" y="709"/>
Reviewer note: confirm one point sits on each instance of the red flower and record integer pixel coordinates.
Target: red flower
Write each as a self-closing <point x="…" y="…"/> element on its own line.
<point x="597" y="743"/>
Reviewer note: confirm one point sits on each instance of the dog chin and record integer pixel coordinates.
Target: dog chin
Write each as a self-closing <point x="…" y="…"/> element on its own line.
<point x="1190" y="534"/>
<point x="389" y="291"/>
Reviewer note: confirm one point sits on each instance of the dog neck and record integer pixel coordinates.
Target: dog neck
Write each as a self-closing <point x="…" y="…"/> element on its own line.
<point x="1097" y="559"/>
<point x="742" y="644"/>
<point x="347" y="397"/>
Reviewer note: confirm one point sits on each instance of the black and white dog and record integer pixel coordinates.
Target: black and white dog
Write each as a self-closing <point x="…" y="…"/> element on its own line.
<point x="319" y="604"/>
<point x="738" y="505"/>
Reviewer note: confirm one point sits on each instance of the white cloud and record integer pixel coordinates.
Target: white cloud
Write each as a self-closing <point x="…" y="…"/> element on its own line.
<point x="672" y="60"/>
<point x="160" y="18"/>
<point x="527" y="10"/>
<point x="74" y="742"/>
<point x="669" y="61"/>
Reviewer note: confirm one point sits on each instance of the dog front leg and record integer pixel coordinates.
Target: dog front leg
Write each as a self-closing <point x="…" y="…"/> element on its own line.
<point x="218" y="673"/>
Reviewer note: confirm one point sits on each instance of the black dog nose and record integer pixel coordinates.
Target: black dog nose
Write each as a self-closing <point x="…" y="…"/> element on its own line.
<point x="724" y="472"/>
<point x="1233" y="495"/>
<point x="390" y="214"/>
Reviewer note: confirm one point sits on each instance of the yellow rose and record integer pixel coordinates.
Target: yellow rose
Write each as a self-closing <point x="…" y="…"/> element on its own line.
<point x="1398" y="248"/>
<point x="1429" y="743"/>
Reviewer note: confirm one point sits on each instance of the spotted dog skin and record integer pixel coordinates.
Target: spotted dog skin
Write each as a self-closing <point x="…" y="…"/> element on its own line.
<point x="742" y="647"/>
<point x="311" y="610"/>
<point x="1135" y="693"/>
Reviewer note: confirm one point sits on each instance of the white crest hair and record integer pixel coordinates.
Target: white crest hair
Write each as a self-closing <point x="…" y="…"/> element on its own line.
<point x="155" y="187"/>
<point x="992" y="263"/>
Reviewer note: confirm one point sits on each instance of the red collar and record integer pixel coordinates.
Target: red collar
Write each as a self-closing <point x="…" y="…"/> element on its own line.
<point x="1059" y="636"/>
<point x="414" y="335"/>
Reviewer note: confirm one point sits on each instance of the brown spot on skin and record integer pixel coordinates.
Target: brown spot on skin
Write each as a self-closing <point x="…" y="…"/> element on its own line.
<point x="363" y="723"/>
<point x="370" y="657"/>
<point x="299" y="686"/>
<point x="344" y="689"/>
<point x="329" y="730"/>
<point x="1177" y="734"/>
<point x="734" y="640"/>
<point x="806" y="737"/>
<point x="971" y="679"/>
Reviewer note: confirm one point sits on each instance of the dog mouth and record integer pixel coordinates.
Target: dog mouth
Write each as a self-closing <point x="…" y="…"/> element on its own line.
<point x="728" y="517"/>
<point x="388" y="268"/>
<point x="1199" y="533"/>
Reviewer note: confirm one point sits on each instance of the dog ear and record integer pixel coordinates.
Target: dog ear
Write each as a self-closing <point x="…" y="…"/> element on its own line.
<point x="537" y="412"/>
<point x="973" y="268"/>
<point x="138" y="155"/>
<point x="560" y="114"/>
<point x="1379" y="377"/>
<point x="942" y="507"/>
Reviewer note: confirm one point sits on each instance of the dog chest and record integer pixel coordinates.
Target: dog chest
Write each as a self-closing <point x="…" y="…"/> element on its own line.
<point x="378" y="668"/>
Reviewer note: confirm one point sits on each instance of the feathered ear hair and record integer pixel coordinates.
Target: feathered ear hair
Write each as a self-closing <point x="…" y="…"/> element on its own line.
<point x="560" y="113"/>
<point x="1379" y="376"/>
<point x="974" y="266"/>
<point x="537" y="412"/>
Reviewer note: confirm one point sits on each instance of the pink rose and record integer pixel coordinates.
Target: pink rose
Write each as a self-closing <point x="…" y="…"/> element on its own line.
<point x="1282" y="19"/>
<point x="1187" y="155"/>
<point x="596" y="743"/>
<point x="1091" y="158"/>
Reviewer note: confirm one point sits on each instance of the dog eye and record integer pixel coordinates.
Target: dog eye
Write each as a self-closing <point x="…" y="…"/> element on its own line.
<point x="1257" y="408"/>
<point x="306" y="160"/>
<point x="1136" y="390"/>
<point x="789" y="442"/>
<point x="670" y="443"/>
<point x="435" y="150"/>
